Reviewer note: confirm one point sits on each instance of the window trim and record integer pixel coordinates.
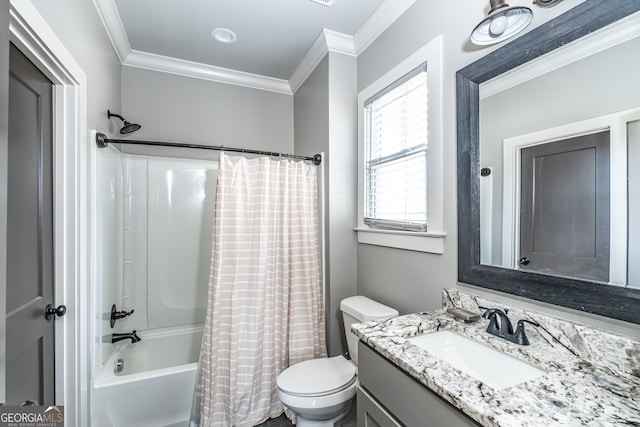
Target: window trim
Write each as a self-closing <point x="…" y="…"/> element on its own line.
<point x="432" y="240"/>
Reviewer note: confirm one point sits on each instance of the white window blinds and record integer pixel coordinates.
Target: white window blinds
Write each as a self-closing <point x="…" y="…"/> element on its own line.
<point x="396" y="154"/>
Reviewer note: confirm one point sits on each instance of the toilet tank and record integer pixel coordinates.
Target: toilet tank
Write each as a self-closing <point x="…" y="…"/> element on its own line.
<point x="359" y="309"/>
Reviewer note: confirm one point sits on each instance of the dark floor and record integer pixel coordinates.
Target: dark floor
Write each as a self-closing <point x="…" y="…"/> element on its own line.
<point x="283" y="421"/>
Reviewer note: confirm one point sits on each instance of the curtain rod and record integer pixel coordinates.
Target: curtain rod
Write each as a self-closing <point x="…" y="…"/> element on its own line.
<point x="102" y="142"/>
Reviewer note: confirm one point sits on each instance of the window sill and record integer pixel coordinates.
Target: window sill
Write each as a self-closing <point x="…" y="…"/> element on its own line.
<point x="421" y="242"/>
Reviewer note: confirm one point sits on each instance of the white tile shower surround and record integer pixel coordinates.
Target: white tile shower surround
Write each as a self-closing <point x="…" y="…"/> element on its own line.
<point x="593" y="376"/>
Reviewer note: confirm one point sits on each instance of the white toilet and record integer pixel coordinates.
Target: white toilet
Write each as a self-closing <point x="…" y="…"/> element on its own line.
<point x="320" y="391"/>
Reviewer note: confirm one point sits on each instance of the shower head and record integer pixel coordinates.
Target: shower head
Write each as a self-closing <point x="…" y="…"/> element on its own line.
<point x="127" y="126"/>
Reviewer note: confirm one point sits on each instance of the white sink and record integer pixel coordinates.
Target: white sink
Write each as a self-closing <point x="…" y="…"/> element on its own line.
<point x="494" y="368"/>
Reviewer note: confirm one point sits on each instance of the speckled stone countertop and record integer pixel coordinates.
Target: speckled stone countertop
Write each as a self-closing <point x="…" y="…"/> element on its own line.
<point x="593" y="377"/>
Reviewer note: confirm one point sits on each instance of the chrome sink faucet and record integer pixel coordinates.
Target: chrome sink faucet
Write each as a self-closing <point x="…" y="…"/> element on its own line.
<point x="501" y="326"/>
<point x="133" y="336"/>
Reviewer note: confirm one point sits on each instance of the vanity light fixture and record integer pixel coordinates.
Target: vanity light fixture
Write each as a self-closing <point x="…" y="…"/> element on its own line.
<point x="502" y="22"/>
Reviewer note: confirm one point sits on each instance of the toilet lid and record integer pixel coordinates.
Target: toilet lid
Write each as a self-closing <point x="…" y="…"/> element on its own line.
<point x="317" y="377"/>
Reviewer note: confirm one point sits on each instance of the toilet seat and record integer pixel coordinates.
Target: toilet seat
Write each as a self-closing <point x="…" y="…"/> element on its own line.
<point x="317" y="377"/>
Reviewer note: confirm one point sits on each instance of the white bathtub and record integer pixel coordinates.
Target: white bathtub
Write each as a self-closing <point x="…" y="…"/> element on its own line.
<point x="155" y="387"/>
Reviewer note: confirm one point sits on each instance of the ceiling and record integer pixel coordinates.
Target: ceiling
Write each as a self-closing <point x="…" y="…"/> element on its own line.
<point x="278" y="41"/>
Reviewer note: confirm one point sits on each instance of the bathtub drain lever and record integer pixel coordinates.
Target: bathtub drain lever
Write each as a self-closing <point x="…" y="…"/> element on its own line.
<point x="119" y="366"/>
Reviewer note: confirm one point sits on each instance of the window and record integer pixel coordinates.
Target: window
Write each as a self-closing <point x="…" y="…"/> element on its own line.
<point x="396" y="154"/>
<point x="400" y="184"/>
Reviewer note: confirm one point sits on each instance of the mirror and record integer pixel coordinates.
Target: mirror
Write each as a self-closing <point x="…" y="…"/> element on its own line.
<point x="549" y="197"/>
<point x="492" y="135"/>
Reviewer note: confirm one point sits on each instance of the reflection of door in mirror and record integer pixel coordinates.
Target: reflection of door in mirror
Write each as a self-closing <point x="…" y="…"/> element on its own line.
<point x="546" y="101"/>
<point x="564" y="207"/>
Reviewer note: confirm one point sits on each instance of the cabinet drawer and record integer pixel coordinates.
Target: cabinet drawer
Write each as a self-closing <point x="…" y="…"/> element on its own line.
<point x="410" y="402"/>
<point x="371" y="414"/>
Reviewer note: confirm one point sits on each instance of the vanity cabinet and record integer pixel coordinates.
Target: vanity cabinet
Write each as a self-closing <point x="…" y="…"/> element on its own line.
<point x="371" y="413"/>
<point x="388" y="397"/>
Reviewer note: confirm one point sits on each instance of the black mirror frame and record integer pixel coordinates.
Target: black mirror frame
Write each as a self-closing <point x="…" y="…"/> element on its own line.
<point x="605" y="300"/>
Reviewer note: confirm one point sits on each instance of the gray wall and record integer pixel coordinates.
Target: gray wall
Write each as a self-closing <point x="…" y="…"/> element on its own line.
<point x="311" y="113"/>
<point x="413" y="281"/>
<point x="311" y="133"/>
<point x="176" y="108"/>
<point x="77" y="24"/>
<point x="325" y="121"/>
<point x="342" y="201"/>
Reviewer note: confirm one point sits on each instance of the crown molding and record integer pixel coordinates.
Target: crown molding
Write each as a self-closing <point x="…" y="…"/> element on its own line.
<point x="309" y="62"/>
<point x="327" y="41"/>
<point x="339" y="42"/>
<point x="332" y="41"/>
<point x="198" y="70"/>
<point x="108" y="12"/>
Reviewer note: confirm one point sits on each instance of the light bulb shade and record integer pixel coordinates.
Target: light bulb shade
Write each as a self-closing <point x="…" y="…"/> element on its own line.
<point x="502" y="23"/>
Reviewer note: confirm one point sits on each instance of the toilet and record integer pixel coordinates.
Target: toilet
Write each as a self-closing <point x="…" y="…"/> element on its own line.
<point x="320" y="391"/>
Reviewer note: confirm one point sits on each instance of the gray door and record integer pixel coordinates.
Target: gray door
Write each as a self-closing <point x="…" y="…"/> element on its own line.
<point x="30" y="336"/>
<point x="564" y="216"/>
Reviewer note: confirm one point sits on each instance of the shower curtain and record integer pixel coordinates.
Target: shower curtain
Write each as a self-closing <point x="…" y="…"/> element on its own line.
<point x="265" y="304"/>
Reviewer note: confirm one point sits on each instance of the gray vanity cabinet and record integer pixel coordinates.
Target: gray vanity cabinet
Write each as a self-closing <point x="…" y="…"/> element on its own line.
<point x="372" y="414"/>
<point x="388" y="397"/>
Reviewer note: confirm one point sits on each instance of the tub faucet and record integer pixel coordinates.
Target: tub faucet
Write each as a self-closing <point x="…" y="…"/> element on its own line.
<point x="127" y="336"/>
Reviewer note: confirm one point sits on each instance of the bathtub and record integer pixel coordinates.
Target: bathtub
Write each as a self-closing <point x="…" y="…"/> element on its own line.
<point x="154" y="387"/>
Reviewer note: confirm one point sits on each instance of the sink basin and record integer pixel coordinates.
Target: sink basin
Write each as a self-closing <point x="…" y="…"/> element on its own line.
<point x="494" y="368"/>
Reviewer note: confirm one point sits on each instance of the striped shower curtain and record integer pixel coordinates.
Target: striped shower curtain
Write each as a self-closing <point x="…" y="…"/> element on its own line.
<point x="265" y="309"/>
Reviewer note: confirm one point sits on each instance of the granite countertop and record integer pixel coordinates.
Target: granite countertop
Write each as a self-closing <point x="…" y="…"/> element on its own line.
<point x="575" y="391"/>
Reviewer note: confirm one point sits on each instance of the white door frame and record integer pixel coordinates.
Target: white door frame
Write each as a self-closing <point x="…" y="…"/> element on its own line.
<point x="71" y="157"/>
<point x="616" y="123"/>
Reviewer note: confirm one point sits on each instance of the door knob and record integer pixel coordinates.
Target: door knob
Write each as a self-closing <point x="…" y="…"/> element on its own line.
<point x="51" y="311"/>
<point x="524" y="260"/>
